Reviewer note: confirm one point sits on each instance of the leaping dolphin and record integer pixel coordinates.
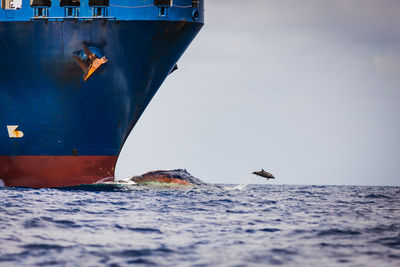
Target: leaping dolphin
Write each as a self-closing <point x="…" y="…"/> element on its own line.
<point x="264" y="174"/>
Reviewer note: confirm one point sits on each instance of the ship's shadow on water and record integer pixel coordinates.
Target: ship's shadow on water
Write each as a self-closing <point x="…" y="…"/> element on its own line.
<point x="97" y="188"/>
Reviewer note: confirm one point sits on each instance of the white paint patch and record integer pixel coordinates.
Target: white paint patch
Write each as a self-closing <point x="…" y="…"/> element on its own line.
<point x="16" y="4"/>
<point x="13" y="131"/>
<point x="2" y="183"/>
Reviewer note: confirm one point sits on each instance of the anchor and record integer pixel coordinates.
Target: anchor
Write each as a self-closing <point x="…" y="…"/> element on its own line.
<point x="88" y="61"/>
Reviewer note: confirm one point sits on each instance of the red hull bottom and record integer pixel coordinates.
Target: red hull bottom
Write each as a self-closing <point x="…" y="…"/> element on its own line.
<point x="55" y="171"/>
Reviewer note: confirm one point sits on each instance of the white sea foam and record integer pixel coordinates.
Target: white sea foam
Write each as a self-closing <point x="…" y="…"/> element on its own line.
<point x="102" y="181"/>
<point x="245" y="182"/>
<point x="2" y="183"/>
<point x="109" y="180"/>
<point x="127" y="181"/>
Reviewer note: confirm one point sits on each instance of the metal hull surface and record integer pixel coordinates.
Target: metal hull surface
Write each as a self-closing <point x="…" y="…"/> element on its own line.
<point x="56" y="171"/>
<point x="70" y="132"/>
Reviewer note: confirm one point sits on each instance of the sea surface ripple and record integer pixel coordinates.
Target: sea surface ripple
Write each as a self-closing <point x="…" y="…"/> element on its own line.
<point x="289" y="225"/>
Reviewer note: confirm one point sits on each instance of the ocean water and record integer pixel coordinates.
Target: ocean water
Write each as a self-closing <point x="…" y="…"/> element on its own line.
<point x="259" y="225"/>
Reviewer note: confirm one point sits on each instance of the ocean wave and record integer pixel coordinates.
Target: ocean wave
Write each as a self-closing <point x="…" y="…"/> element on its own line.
<point x="144" y="230"/>
<point x="146" y="252"/>
<point x="336" y="232"/>
<point x="392" y="242"/>
<point x="201" y="226"/>
<point x="42" y="247"/>
<point x="376" y="196"/>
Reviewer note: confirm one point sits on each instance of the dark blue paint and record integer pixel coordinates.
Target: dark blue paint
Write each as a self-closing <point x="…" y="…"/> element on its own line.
<point x="42" y="90"/>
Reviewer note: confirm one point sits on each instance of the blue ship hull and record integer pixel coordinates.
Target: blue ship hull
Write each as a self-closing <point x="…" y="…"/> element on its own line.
<point x="72" y="130"/>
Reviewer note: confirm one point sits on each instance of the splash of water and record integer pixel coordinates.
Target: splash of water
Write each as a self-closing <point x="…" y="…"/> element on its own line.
<point x="110" y="181"/>
<point x="127" y="181"/>
<point x="245" y="182"/>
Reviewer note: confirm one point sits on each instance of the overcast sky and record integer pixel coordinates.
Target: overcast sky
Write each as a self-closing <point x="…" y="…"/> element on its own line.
<point x="308" y="90"/>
